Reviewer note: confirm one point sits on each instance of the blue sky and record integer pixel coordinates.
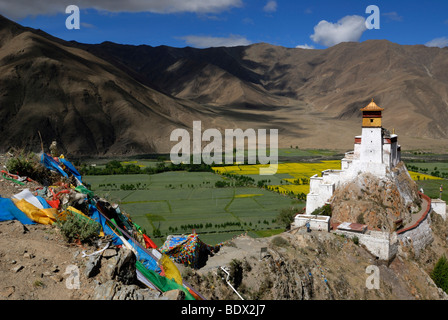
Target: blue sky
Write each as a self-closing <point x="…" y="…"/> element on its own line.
<point x="204" y="23"/>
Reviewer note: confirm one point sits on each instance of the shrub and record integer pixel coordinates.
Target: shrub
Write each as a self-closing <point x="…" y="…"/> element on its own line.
<point x="24" y="164"/>
<point x="38" y="283"/>
<point x="360" y="219"/>
<point x="325" y="210"/>
<point x="74" y="228"/>
<point x="280" y="242"/>
<point x="27" y="164"/>
<point x="440" y="274"/>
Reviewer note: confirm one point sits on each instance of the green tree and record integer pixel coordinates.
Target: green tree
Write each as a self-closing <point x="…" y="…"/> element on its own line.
<point x="220" y="184"/>
<point x="286" y="217"/>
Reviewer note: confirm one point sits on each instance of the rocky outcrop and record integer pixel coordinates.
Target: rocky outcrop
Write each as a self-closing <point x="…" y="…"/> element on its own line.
<point x="406" y="186"/>
<point x="378" y="203"/>
<point x="113" y="290"/>
<point x="316" y="266"/>
<point x="290" y="279"/>
<point x="115" y="273"/>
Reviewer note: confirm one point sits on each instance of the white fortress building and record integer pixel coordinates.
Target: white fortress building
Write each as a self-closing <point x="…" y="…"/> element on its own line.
<point x="376" y="151"/>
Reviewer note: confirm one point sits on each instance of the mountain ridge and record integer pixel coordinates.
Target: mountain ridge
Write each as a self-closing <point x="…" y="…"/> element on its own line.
<point x="111" y="99"/>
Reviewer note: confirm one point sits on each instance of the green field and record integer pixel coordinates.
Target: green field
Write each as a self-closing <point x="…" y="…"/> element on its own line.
<point x="431" y="187"/>
<point x="174" y="202"/>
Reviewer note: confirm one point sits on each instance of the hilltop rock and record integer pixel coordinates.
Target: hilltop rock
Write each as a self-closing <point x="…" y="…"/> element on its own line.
<point x="378" y="203"/>
<point x="119" y="266"/>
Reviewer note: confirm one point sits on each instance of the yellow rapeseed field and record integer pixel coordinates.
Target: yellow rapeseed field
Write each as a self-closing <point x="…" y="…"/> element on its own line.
<point x="287" y="188"/>
<point x="416" y="176"/>
<point x="248" y="195"/>
<point x="297" y="171"/>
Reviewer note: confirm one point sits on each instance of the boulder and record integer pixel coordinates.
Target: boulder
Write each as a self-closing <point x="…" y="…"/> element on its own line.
<point x="125" y="270"/>
<point x="113" y="290"/>
<point x="174" y="295"/>
<point x="93" y="266"/>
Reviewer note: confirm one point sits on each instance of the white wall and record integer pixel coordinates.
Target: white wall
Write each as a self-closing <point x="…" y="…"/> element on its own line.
<point x="419" y="237"/>
<point x="357" y="148"/>
<point x="439" y="206"/>
<point x="371" y="145"/>
<point x="314" y="201"/>
<point x="318" y="223"/>
<point x="387" y="157"/>
<point x="319" y="194"/>
<point x="315" y="182"/>
<point x="346" y="163"/>
<point x="381" y="244"/>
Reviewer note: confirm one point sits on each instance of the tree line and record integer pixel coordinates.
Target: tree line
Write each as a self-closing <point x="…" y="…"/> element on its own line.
<point x="116" y="167"/>
<point x="435" y="172"/>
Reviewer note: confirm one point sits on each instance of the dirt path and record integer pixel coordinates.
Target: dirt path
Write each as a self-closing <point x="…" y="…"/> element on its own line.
<point x="418" y="215"/>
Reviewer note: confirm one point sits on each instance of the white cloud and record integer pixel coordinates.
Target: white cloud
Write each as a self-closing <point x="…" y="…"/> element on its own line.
<point x="87" y="25"/>
<point x="392" y="16"/>
<point x="271" y="6"/>
<point x="304" y="46"/>
<point x="438" y="42"/>
<point x="248" y="21"/>
<point x="349" y="28"/>
<point x="208" y="41"/>
<point x="18" y="9"/>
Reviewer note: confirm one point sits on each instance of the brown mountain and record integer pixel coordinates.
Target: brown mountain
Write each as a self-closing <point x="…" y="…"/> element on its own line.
<point x="109" y="99"/>
<point x="87" y="104"/>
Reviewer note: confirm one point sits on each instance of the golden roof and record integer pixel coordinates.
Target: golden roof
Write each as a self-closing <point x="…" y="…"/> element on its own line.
<point x="372" y="107"/>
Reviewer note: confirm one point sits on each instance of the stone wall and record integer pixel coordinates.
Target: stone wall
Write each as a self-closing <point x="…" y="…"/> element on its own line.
<point x="417" y="238"/>
<point x="439" y="207"/>
<point x="386" y="245"/>
<point x="419" y="235"/>
<point x="383" y="245"/>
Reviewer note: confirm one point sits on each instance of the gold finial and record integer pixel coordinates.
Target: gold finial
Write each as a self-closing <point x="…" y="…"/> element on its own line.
<point x="393" y="130"/>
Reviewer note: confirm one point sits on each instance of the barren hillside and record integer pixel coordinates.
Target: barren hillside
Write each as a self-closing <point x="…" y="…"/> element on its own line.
<point x="316" y="266"/>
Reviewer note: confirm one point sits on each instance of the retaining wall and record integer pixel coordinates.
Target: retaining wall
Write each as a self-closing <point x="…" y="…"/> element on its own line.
<point x="383" y="245"/>
<point x="419" y="235"/>
<point x="439" y="207"/>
